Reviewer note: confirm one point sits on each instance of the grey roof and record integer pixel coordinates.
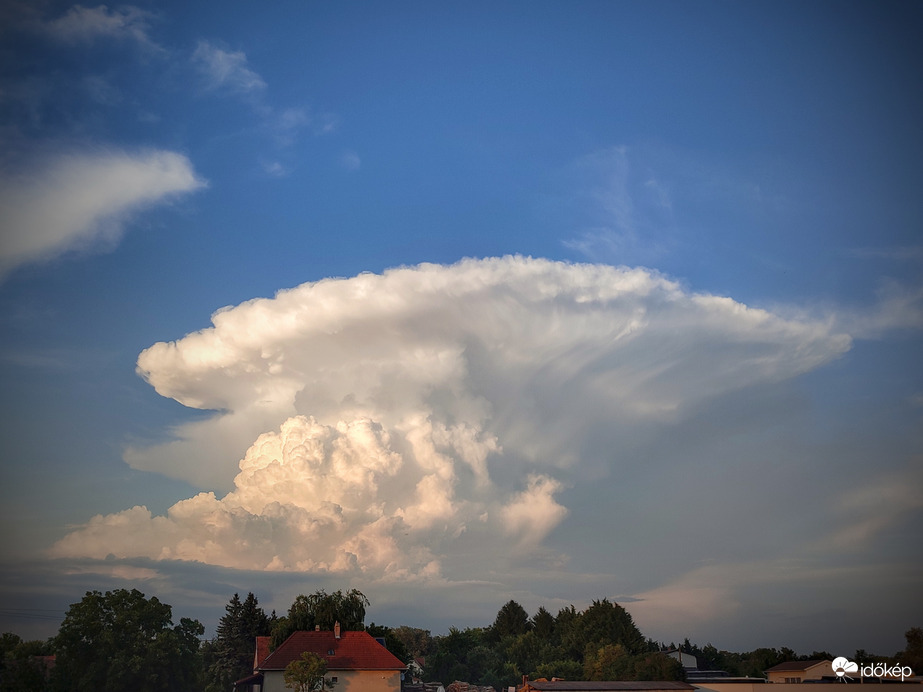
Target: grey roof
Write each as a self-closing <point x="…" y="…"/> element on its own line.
<point x="615" y="686"/>
<point x="796" y="665"/>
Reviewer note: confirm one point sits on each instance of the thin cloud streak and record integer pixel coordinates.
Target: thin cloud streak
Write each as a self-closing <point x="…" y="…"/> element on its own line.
<point x="83" y="25"/>
<point x="82" y="200"/>
<point x="225" y="70"/>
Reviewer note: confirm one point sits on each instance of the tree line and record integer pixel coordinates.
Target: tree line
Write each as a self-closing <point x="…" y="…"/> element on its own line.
<point x="121" y="641"/>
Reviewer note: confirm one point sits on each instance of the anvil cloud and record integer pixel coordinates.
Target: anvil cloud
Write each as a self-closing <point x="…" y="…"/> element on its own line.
<point x="382" y="417"/>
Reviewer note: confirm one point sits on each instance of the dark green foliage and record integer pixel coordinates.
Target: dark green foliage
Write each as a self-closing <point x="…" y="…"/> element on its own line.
<point x="511" y="619"/>
<point x="543" y="624"/>
<point x="230" y="656"/>
<point x="545" y="646"/>
<point x="392" y="643"/>
<point x="121" y="640"/>
<point x="449" y="661"/>
<point x="418" y="642"/>
<point x="912" y="655"/>
<point x="22" y="668"/>
<point x="321" y="609"/>
<point x="562" y="668"/>
<point x="307" y="673"/>
<point x="616" y="662"/>
<point x="600" y="624"/>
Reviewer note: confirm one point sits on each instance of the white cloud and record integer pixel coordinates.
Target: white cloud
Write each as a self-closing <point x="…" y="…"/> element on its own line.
<point x="226" y="70"/>
<point x="628" y="213"/>
<point x="533" y="513"/>
<point x="402" y="416"/>
<point x="74" y="201"/>
<point x="350" y="161"/>
<point x="898" y="307"/>
<point x="87" y="24"/>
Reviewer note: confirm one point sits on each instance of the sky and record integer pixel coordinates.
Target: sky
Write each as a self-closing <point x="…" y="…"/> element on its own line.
<point x="462" y="302"/>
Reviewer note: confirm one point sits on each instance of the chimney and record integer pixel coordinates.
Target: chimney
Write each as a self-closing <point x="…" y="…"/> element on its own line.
<point x="336" y="629"/>
<point x="317" y="628"/>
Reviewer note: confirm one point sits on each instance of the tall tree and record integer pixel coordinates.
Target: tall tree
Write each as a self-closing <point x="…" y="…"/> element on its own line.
<point x="543" y="624"/>
<point x="600" y="624"/>
<point x="121" y="641"/>
<point x="230" y="656"/>
<point x="511" y="620"/>
<point x="418" y="642"/>
<point x="392" y="643"/>
<point x="912" y="655"/>
<point x="321" y="609"/>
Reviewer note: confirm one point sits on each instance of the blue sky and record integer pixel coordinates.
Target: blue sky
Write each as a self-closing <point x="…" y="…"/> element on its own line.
<point x="587" y="300"/>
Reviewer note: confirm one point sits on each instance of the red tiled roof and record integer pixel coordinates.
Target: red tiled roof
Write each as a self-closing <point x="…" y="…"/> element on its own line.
<point x="262" y="651"/>
<point x="352" y="651"/>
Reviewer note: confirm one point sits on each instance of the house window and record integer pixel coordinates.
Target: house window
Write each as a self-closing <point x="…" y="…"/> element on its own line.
<point x="792" y="679"/>
<point x="333" y="679"/>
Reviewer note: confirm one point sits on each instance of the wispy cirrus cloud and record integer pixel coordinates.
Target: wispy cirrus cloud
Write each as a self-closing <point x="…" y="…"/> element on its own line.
<point x="88" y="24"/>
<point x="628" y="210"/>
<point x="228" y="73"/>
<point x="897" y="253"/>
<point x="897" y="306"/>
<point x="83" y="199"/>
<point x="225" y="71"/>
<point x="876" y="504"/>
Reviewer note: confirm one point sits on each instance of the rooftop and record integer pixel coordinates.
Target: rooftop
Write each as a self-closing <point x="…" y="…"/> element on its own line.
<point x="352" y="651"/>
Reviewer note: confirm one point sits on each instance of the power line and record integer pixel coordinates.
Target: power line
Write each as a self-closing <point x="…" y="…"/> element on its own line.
<point x="32" y="613"/>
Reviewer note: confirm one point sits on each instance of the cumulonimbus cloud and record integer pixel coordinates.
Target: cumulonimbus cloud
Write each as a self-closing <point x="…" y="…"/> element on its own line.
<point x="381" y="419"/>
<point x="74" y="201"/>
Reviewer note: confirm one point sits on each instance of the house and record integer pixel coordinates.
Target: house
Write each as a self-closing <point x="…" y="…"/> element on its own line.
<point x="688" y="661"/>
<point x="612" y="686"/>
<point x="800" y="671"/>
<point x="355" y="661"/>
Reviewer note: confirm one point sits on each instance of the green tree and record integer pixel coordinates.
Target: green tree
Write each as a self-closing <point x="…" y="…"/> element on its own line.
<point x="321" y="609"/>
<point x="511" y="619"/>
<point x="230" y="656"/>
<point x="655" y="665"/>
<point x="608" y="662"/>
<point x="600" y="624"/>
<point x="561" y="668"/>
<point x="21" y="667"/>
<point x="543" y="624"/>
<point x="307" y="673"/>
<point x="121" y="640"/>
<point x="507" y="675"/>
<point x="912" y="655"/>
<point x="450" y="661"/>
<point x="392" y="643"/>
<point x="418" y="642"/>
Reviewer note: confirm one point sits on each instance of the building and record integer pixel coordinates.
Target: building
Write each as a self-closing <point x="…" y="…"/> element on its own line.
<point x="801" y="671"/>
<point x="613" y="686"/>
<point x="355" y="662"/>
<point x="687" y="661"/>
